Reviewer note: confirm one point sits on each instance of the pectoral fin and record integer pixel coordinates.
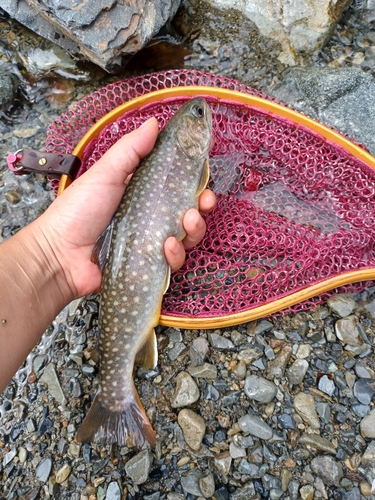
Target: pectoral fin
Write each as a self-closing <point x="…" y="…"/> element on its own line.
<point x="102" y="245"/>
<point x="204" y="178"/>
<point x="147" y="356"/>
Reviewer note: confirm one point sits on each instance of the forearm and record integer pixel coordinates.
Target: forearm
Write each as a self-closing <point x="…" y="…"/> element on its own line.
<point x="32" y="292"/>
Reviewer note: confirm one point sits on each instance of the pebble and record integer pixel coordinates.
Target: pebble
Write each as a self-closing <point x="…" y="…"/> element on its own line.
<point x="113" y="491"/>
<point x="324" y="411"/>
<point x="236" y="451"/>
<point x="262" y="326"/>
<point x="276" y="367"/>
<point x="342" y="304"/>
<point x="347" y="331"/>
<point x="198" y="351"/>
<point x="240" y="370"/>
<point x="307" y="492"/>
<point x="50" y="378"/>
<point x="329" y="471"/>
<point x="176" y="351"/>
<point x="303" y="351"/>
<point x="223" y="462"/>
<point x="186" y="391"/>
<point x="255" y="426"/>
<point x="305" y="407"/>
<point x="44" y="470"/>
<point x="207" y="485"/>
<point x="248" y="469"/>
<point x="138" y="467"/>
<point x="207" y="370"/>
<point x="260" y="389"/>
<point x="364" y="390"/>
<point x="326" y="385"/>
<point x="286" y="476"/>
<point x="63" y="473"/>
<point x="22" y="454"/>
<point x="318" y="443"/>
<point x="297" y="371"/>
<point x="193" y="428"/>
<point x="248" y="356"/>
<point x="13" y="197"/>
<point x="190" y="482"/>
<point x="368" y="458"/>
<point x="361" y="370"/>
<point x="367" y="425"/>
<point x="219" y="342"/>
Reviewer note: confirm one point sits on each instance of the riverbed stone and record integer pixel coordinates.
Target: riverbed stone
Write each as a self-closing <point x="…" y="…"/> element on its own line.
<point x="367" y="425"/>
<point x="139" y="466"/>
<point x="329" y="471"/>
<point x="297" y="371"/>
<point x="301" y="27"/>
<point x="44" y="470"/>
<point x="193" y="428"/>
<point x="186" y="391"/>
<point x="108" y="33"/>
<point x="255" y="426"/>
<point x="343" y="98"/>
<point x="305" y="407"/>
<point x="50" y="378"/>
<point x="260" y="389"/>
<point x="347" y="331"/>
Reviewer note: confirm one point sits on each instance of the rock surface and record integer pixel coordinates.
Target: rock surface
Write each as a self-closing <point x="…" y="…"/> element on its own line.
<point x="342" y="98"/>
<point x="302" y="27"/>
<point x="108" y="33"/>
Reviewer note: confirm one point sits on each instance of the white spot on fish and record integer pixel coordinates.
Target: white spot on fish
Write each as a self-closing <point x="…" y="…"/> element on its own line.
<point x="134" y="273"/>
<point x="114" y="383"/>
<point x="134" y="313"/>
<point x="145" y="288"/>
<point x="145" y="277"/>
<point x="158" y="233"/>
<point x="131" y="287"/>
<point x="136" y="299"/>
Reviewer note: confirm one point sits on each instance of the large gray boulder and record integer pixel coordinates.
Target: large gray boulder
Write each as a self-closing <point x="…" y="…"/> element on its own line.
<point x="302" y="27"/>
<point x="343" y="98"/>
<point x="108" y="32"/>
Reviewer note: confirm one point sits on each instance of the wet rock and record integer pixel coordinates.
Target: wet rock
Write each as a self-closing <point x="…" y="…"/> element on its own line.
<point x="248" y="356"/>
<point x="260" y="389"/>
<point x="276" y="367"/>
<point x="44" y="470"/>
<point x="342" y="98"/>
<point x="303" y="351"/>
<point x="305" y="407"/>
<point x="286" y="476"/>
<point x="329" y="471"/>
<point x="198" y="351"/>
<point x="324" y="411"/>
<point x="63" y="473"/>
<point x="361" y="370"/>
<point x="263" y="326"/>
<point x="9" y="456"/>
<point x="138" y="467"/>
<point x="255" y="426"/>
<point x="207" y="486"/>
<point x="109" y="34"/>
<point x="113" y="491"/>
<point x="8" y="88"/>
<point x="193" y="428"/>
<point x="13" y="196"/>
<point x="50" y="378"/>
<point x="176" y="351"/>
<point x="286" y="421"/>
<point x="347" y="331"/>
<point x="22" y="454"/>
<point x="186" y="391"/>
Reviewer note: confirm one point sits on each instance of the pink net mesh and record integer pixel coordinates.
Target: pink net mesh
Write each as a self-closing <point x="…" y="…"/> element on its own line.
<point x="293" y="209"/>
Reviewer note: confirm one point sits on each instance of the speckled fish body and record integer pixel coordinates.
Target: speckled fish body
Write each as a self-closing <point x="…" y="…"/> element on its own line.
<point x="135" y="273"/>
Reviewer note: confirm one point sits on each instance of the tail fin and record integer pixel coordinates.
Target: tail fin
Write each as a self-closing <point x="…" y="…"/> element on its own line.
<point x="129" y="427"/>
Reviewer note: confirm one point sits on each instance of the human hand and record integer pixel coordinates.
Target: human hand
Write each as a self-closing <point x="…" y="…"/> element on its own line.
<point x="68" y="230"/>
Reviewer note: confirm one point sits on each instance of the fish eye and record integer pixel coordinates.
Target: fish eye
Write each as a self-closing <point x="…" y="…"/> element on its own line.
<point x="197" y="111"/>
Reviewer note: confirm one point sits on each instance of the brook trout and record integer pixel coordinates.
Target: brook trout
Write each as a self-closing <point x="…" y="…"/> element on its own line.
<point x="136" y="275"/>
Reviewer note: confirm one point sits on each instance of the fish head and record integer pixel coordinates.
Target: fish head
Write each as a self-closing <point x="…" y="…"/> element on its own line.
<point x="194" y="128"/>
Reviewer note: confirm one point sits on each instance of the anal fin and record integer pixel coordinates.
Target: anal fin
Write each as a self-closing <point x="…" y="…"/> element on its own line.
<point x="147" y="356"/>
